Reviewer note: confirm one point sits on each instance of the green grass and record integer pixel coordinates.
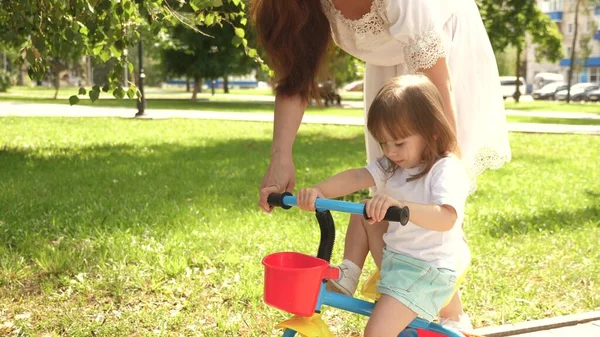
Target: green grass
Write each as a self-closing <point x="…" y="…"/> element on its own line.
<point x="554" y="106"/>
<point x="125" y="227"/>
<point x="545" y="120"/>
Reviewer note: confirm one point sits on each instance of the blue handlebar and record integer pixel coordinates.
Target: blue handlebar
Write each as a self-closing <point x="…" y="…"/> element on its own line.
<point x="287" y="200"/>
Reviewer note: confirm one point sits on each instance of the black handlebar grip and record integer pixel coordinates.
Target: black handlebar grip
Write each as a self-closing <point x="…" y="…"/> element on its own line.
<point x="397" y="214"/>
<point x="276" y="199"/>
<point x="394" y="213"/>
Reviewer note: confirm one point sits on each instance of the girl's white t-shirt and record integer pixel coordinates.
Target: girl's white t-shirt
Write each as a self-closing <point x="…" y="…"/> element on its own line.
<point x="445" y="184"/>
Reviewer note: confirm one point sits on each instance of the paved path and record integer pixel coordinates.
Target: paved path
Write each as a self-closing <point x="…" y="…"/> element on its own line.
<point x="49" y="110"/>
<point x="577" y="325"/>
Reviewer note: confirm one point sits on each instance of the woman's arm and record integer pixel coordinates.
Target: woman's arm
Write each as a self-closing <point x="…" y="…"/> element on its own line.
<point x="281" y="173"/>
<point x="288" y="116"/>
<point x="440" y="76"/>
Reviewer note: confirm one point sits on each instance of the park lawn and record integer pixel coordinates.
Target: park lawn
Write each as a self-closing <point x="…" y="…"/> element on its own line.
<point x="554" y="106"/>
<point x="173" y="98"/>
<point x="126" y="227"/>
<point x="256" y="107"/>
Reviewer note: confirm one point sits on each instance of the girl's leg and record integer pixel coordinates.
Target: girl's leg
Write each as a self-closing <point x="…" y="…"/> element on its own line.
<point x="454" y="309"/>
<point x="362" y="238"/>
<point x="356" y="245"/>
<point x="389" y="318"/>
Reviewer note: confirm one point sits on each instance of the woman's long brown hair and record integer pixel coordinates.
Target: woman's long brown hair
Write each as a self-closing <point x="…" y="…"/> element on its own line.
<point x="295" y="35"/>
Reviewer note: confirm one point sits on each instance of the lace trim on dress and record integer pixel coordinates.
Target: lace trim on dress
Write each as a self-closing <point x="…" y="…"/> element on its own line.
<point x="486" y="158"/>
<point x="368" y="31"/>
<point x="425" y="52"/>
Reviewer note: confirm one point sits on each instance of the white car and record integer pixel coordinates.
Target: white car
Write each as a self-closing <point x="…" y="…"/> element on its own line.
<point x="578" y="92"/>
<point x="508" y="86"/>
<point x="354" y="86"/>
<point x="548" y="91"/>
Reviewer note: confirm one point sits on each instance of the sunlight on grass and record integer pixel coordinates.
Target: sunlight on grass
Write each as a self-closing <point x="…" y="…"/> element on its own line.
<point x="138" y="227"/>
<point x="590" y="107"/>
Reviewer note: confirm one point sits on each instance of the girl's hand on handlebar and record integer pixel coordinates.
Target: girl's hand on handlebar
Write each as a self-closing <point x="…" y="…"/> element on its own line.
<point x="378" y="206"/>
<point x="306" y="198"/>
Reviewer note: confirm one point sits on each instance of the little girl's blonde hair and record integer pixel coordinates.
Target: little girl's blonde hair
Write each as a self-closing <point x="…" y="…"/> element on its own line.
<point x="409" y="105"/>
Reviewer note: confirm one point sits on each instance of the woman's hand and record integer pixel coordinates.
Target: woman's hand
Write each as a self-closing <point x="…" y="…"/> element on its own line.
<point x="280" y="177"/>
<point x="378" y="206"/>
<point x="306" y="198"/>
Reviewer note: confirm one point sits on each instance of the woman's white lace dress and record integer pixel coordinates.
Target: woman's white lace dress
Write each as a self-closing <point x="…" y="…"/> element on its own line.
<point x="400" y="36"/>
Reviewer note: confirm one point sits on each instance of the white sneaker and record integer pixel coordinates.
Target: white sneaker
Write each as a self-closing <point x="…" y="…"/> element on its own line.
<point x="346" y="284"/>
<point x="463" y="325"/>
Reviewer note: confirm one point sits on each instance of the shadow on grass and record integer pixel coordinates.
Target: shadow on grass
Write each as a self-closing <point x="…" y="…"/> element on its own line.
<point x="54" y="192"/>
<point x="548" y="220"/>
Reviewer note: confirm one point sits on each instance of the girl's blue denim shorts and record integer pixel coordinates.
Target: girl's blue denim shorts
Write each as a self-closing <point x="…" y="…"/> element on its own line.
<point x="423" y="288"/>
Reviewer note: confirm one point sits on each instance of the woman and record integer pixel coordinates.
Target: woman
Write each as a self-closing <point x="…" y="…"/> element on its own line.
<point x="443" y="39"/>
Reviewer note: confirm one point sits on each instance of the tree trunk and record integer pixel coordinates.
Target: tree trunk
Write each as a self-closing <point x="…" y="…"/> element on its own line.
<point x="187" y="84"/>
<point x="573" y="45"/>
<point x="197" y="86"/>
<point x="212" y="86"/>
<point x="225" y="84"/>
<point x="517" y="93"/>
<point x="56" y="83"/>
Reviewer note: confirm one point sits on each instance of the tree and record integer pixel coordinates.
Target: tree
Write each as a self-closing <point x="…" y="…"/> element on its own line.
<point x="101" y="28"/>
<point x="507" y="23"/>
<point x="585" y="50"/>
<point x="342" y="67"/>
<point x="204" y="56"/>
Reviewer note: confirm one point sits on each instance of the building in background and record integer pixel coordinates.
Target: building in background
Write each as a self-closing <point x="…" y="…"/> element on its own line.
<point x="562" y="12"/>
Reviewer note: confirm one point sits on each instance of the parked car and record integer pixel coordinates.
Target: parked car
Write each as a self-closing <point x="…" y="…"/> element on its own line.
<point x="593" y="96"/>
<point x="548" y="91"/>
<point x="508" y="86"/>
<point x="354" y="86"/>
<point x="542" y="79"/>
<point x="578" y="91"/>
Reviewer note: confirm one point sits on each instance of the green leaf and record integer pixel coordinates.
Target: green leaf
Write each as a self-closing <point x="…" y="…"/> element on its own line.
<point x="130" y="66"/>
<point x="217" y="3"/>
<point x="243" y="21"/>
<point x="131" y="92"/>
<point x="236" y="2"/>
<point x="236" y="41"/>
<point x="106" y="88"/>
<point x="82" y="91"/>
<point x="251" y="52"/>
<point x="119" y="93"/>
<point x="98" y="48"/>
<point x="209" y="19"/>
<point x="104" y="55"/>
<point x="90" y="7"/>
<point x="240" y="32"/>
<point x="94" y="94"/>
<point x="39" y="42"/>
<point x="73" y="100"/>
<point x="115" y="51"/>
<point x="30" y="56"/>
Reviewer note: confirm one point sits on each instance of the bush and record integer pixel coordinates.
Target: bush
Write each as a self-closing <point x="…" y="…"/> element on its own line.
<point x="6" y="80"/>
